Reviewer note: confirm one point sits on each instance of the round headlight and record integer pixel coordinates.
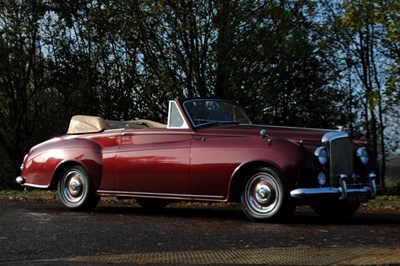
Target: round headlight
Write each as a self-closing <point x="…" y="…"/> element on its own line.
<point x="362" y="154"/>
<point x="321" y="179"/>
<point x="322" y="155"/>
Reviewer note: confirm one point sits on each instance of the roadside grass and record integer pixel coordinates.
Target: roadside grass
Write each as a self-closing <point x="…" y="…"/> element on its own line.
<point x="28" y="194"/>
<point x="387" y="198"/>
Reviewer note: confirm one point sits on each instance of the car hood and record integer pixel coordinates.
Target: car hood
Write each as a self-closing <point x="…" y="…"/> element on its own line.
<point x="296" y="134"/>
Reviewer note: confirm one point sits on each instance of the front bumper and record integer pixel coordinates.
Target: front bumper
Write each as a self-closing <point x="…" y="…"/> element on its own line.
<point x="344" y="192"/>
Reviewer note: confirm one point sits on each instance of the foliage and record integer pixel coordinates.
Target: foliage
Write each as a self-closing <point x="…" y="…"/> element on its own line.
<point x="364" y="38"/>
<point x="298" y="63"/>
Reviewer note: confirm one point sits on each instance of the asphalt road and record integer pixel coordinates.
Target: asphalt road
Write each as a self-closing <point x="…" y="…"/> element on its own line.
<point x="43" y="233"/>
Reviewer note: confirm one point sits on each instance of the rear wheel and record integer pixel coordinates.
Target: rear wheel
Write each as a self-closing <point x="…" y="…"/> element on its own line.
<point x="264" y="196"/>
<point x="76" y="190"/>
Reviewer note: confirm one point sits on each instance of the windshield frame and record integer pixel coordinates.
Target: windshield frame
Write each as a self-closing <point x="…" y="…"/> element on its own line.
<point x="207" y="104"/>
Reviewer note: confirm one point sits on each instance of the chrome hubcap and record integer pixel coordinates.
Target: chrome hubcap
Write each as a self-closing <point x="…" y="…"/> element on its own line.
<point x="262" y="193"/>
<point x="73" y="186"/>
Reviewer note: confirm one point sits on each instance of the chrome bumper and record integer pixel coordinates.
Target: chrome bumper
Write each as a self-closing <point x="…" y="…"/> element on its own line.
<point x="342" y="192"/>
<point x="20" y="180"/>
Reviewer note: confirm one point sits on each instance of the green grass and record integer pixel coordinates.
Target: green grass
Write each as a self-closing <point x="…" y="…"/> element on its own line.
<point x="387" y="198"/>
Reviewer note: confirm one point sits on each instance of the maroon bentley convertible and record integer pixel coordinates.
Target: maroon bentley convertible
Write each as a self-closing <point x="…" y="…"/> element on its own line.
<point x="208" y="151"/>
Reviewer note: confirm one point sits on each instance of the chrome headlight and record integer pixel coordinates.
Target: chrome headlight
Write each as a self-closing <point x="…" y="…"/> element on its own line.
<point x="363" y="155"/>
<point x="322" y="154"/>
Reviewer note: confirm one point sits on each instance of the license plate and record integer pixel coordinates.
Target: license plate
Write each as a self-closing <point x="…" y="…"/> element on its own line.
<point x="357" y="197"/>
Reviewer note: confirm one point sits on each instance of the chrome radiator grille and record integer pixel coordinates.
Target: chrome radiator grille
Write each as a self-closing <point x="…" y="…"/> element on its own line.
<point x="340" y="155"/>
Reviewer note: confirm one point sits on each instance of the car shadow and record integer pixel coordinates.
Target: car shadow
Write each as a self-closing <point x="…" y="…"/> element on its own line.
<point x="303" y="215"/>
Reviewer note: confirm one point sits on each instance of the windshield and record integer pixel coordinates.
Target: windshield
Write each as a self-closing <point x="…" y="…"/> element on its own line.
<point x="211" y="111"/>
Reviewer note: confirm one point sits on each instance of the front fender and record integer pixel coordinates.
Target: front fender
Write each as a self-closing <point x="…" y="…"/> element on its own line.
<point x="43" y="162"/>
<point x="290" y="159"/>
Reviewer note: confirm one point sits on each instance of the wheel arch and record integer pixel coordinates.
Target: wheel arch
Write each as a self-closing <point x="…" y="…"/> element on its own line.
<point x="60" y="170"/>
<point x="89" y="157"/>
<point x="94" y="173"/>
<point x="240" y="175"/>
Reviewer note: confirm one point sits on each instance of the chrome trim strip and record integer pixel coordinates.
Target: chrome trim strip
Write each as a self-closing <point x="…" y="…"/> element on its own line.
<point x="167" y="195"/>
<point x="93" y="135"/>
<point x="157" y="133"/>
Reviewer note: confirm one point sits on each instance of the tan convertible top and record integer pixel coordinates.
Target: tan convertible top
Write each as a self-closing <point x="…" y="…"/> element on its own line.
<point x="91" y="124"/>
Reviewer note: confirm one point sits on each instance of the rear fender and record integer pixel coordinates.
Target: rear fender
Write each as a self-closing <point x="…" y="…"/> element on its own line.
<point x="44" y="169"/>
<point x="88" y="155"/>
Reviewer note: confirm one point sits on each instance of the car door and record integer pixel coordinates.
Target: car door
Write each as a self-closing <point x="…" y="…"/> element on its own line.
<point x="213" y="160"/>
<point x="154" y="162"/>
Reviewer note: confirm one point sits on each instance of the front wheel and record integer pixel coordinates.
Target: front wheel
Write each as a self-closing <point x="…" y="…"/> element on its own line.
<point x="76" y="191"/>
<point x="264" y="196"/>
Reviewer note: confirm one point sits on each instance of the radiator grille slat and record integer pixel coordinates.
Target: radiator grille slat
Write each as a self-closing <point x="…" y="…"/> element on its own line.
<point x="341" y="158"/>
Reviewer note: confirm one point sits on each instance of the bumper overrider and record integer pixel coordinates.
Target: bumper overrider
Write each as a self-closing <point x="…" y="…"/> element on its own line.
<point x="351" y="192"/>
<point x="20" y="180"/>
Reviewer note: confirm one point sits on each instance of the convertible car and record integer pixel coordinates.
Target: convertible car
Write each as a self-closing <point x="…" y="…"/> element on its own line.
<point x="208" y="150"/>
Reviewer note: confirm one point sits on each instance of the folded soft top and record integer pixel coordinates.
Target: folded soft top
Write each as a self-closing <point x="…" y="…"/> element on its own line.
<point x="91" y="124"/>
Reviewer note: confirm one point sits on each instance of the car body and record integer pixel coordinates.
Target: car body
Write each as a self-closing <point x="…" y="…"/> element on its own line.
<point x="208" y="151"/>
